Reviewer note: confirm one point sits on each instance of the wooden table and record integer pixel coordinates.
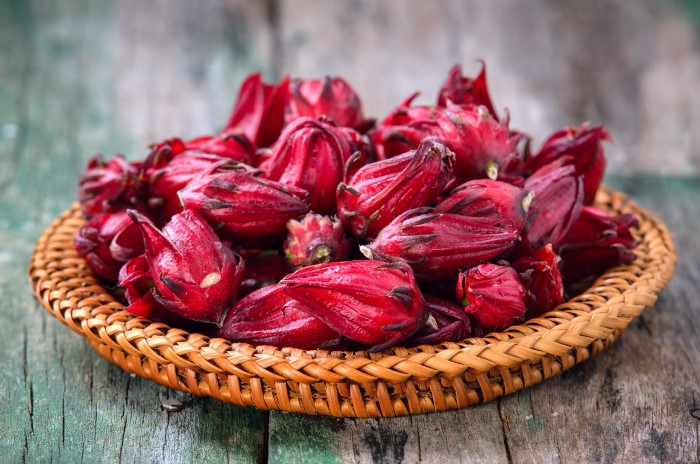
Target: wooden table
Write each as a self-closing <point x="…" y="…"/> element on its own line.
<point x="62" y="96"/>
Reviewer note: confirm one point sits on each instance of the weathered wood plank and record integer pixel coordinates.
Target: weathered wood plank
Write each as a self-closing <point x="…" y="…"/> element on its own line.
<point x="59" y="97"/>
<point x="469" y="435"/>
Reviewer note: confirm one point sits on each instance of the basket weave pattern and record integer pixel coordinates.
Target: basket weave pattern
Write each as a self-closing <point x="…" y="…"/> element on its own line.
<point x="398" y="381"/>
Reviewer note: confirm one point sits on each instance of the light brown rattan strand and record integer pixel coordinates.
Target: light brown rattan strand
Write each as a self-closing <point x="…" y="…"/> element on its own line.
<point x="397" y="381"/>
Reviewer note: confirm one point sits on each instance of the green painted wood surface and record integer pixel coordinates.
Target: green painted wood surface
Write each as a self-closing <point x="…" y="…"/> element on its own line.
<point x="79" y="77"/>
<point x="61" y="402"/>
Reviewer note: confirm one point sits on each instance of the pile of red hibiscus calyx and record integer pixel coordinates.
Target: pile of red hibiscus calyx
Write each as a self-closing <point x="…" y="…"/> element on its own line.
<point x="305" y="224"/>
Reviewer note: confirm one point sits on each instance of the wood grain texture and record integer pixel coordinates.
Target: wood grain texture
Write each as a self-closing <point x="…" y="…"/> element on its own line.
<point x="61" y="402"/>
<point x="468" y="435"/>
<point x="79" y="77"/>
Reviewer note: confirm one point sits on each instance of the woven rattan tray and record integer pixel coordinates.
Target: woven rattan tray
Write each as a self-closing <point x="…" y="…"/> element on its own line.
<point x="395" y="382"/>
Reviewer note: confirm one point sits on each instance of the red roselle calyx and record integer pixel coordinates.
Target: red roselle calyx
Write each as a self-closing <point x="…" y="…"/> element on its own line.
<point x="380" y="191"/>
<point x="488" y="198"/>
<point x="556" y="206"/>
<point x="165" y="183"/>
<point x="447" y="322"/>
<point x="162" y="153"/>
<point x="493" y="295"/>
<point x="330" y="97"/>
<point x="260" y="109"/>
<point x="370" y="302"/>
<point x="465" y="90"/>
<point x="107" y="241"/>
<point x="595" y="242"/>
<point x="582" y="148"/>
<point x="269" y="316"/>
<point x="483" y="146"/>
<point x="404" y="128"/>
<point x="107" y="187"/>
<point x="316" y="239"/>
<point x="241" y="206"/>
<point x="232" y="144"/>
<point x="312" y="154"/>
<point x="195" y="275"/>
<point x="139" y="289"/>
<point x="542" y="279"/>
<point x="439" y="244"/>
<point x="136" y="279"/>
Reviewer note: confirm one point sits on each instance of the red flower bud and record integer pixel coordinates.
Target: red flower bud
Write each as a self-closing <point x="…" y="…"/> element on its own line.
<point x="311" y="154"/>
<point x="329" y="97"/>
<point x="107" y="241"/>
<point x="139" y="289"/>
<point x="165" y="183"/>
<point x="541" y="276"/>
<point x="107" y="187"/>
<point x="232" y="144"/>
<point x="581" y="147"/>
<point x="241" y="206"/>
<point x="493" y="295"/>
<point x="556" y="206"/>
<point x="268" y="316"/>
<point x="391" y="141"/>
<point x="380" y="191"/>
<point x="595" y="242"/>
<point x="405" y="114"/>
<point x="161" y="154"/>
<point x="260" y="109"/>
<point x="483" y="146"/>
<point x="195" y="275"/>
<point x="316" y="239"/>
<point x="447" y="322"/>
<point x="436" y="245"/>
<point x="404" y="128"/>
<point x="370" y="302"/>
<point x="488" y="198"/>
<point x="465" y="90"/>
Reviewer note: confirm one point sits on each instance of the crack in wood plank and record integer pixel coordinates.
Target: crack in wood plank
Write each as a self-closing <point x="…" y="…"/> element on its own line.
<point x="505" y="426"/>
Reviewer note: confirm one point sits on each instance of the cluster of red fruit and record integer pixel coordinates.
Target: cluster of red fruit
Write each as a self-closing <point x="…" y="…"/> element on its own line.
<point x="305" y="224"/>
